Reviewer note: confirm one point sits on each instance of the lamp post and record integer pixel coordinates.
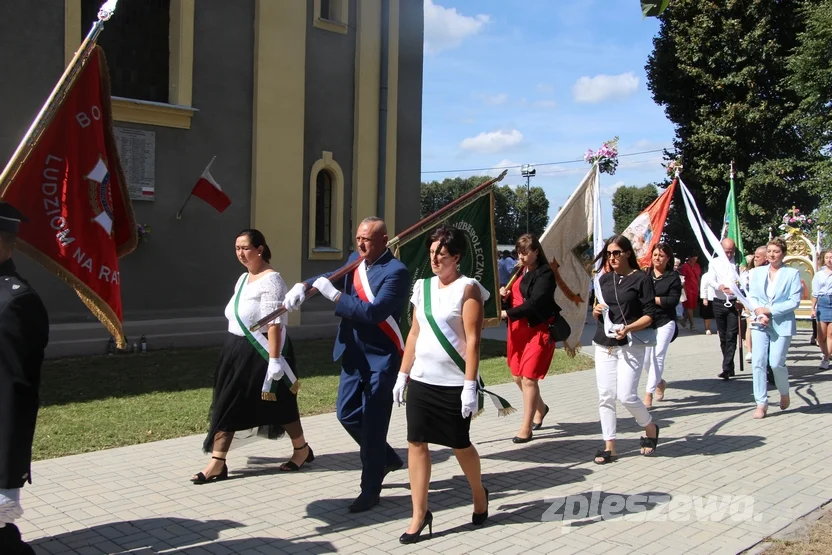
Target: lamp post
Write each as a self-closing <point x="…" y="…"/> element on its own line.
<point x="528" y="171"/>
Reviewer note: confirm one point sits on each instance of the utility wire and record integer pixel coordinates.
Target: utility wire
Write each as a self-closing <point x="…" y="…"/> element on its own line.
<point x="536" y="165"/>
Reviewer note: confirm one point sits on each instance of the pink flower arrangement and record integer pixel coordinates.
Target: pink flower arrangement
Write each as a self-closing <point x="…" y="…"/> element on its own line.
<point x="143" y="231"/>
<point x="672" y="167"/>
<point x="794" y="220"/>
<point x="606" y="157"/>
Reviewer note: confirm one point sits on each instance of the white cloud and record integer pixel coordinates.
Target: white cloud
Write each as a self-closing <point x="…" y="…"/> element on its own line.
<point x="545" y="88"/>
<point x="591" y="90"/>
<point x="495" y="99"/>
<point x="446" y="28"/>
<point x="608" y="191"/>
<point x="492" y="141"/>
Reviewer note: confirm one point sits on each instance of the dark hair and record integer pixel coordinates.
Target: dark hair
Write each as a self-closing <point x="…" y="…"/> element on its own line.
<point x="7" y="238"/>
<point x="529" y="242"/>
<point x="668" y="252"/>
<point x="626" y="246"/>
<point x="257" y="241"/>
<point x="780" y="243"/>
<point x="449" y="237"/>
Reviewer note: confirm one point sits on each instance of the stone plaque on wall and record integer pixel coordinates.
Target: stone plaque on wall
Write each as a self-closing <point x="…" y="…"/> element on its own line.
<point x="137" y="150"/>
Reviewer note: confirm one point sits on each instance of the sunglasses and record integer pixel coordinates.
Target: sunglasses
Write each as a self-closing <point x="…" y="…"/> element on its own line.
<point x="615" y="254"/>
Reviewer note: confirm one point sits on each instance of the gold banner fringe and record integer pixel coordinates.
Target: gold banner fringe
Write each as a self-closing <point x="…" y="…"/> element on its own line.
<point x="90" y="298"/>
<point x="571" y="351"/>
<point x="506" y="411"/>
<point x="295" y="387"/>
<point x="268" y="396"/>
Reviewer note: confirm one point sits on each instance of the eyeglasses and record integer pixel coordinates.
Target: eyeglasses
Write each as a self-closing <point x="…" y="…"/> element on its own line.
<point x="615" y="254"/>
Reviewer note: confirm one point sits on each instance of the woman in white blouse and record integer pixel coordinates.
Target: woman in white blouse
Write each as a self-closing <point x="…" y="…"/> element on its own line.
<point x="440" y="367"/>
<point x="822" y="307"/>
<point x="256" y="376"/>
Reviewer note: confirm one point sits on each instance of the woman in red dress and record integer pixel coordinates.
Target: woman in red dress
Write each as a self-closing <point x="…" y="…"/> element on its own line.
<point x="531" y="307"/>
<point x="692" y="273"/>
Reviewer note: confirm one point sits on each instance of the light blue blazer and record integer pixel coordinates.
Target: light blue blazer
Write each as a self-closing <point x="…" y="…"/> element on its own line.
<point x="787" y="293"/>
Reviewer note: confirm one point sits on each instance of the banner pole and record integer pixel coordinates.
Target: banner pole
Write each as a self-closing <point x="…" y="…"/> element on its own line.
<point x="61" y="89"/>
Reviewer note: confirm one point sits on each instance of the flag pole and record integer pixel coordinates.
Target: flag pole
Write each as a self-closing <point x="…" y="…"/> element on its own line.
<point x="399" y="238"/>
<point x="740" y="335"/>
<point x="179" y="214"/>
<point x="61" y="89"/>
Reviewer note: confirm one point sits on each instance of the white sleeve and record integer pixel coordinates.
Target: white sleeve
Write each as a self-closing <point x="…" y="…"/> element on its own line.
<point x="416" y="298"/>
<point x="272" y="295"/>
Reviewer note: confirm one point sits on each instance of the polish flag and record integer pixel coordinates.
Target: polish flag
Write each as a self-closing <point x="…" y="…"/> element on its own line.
<point x="210" y="191"/>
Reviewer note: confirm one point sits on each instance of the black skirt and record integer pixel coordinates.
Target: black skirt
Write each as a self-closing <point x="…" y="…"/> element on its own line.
<point x="238" y="383"/>
<point x="434" y="415"/>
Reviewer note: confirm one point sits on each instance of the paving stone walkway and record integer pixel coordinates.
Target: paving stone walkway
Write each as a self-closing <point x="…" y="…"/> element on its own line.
<point x="719" y="483"/>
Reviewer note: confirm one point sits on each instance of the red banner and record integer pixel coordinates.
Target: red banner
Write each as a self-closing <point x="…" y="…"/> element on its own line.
<point x="646" y="230"/>
<point x="72" y="188"/>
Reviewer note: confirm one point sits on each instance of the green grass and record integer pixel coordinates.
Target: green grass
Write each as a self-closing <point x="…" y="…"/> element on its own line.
<point x="100" y="402"/>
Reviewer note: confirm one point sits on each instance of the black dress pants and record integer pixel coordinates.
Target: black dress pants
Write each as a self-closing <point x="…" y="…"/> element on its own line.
<point x="727" y="325"/>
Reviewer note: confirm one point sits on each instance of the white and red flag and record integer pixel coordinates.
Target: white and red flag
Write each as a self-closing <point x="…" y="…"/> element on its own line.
<point x="209" y="190"/>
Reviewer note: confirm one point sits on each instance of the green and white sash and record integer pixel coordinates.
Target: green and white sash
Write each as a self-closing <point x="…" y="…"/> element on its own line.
<point x="454" y="346"/>
<point x="261" y="344"/>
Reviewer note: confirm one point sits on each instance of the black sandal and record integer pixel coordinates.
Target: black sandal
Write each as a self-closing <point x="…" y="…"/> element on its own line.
<point x="290" y="466"/>
<point x="606" y="455"/>
<point x="535" y="425"/>
<point x="203" y="479"/>
<point x="650" y="442"/>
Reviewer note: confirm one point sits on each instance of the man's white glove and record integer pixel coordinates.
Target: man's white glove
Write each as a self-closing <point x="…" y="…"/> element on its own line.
<point x="398" y="389"/>
<point x="325" y="288"/>
<point x="277" y="368"/>
<point x="469" y="398"/>
<point x="10" y="509"/>
<point x="295" y="297"/>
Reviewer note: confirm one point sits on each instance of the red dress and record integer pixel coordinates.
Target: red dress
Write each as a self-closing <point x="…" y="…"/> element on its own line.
<point x="529" y="350"/>
<point x="693" y="274"/>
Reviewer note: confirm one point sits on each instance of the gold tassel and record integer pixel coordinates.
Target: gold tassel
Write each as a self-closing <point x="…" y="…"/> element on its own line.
<point x="506" y="411"/>
<point x="268" y="396"/>
<point x="295" y="387"/>
<point x="476" y="414"/>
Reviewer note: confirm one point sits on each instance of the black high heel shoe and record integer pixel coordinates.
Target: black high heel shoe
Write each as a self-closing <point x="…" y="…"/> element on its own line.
<point x="290" y="466"/>
<point x="478" y="519"/>
<point x="416" y="536"/>
<point x="201" y="478"/>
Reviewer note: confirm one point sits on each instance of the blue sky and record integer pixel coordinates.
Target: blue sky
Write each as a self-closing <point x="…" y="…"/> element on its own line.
<point x="510" y="82"/>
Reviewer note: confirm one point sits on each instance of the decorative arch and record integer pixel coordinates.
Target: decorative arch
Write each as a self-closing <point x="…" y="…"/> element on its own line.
<point x="332" y="214"/>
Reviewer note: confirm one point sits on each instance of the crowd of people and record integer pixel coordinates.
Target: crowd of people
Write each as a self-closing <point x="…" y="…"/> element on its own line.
<point x="433" y="371"/>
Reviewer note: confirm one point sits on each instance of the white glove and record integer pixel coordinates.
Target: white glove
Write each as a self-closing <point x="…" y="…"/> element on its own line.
<point x="295" y="297"/>
<point x="398" y="389"/>
<point x="469" y="398"/>
<point x="10" y="509"/>
<point x="277" y="368"/>
<point x="325" y="288"/>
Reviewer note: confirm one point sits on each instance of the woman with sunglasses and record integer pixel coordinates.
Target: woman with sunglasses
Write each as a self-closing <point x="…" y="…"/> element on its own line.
<point x="621" y="340"/>
<point x="667" y="285"/>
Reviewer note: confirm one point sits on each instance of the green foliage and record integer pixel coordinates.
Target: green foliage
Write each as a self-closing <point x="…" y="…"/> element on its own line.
<point x="720" y="71"/>
<point x="628" y="202"/>
<point x="509" y="205"/>
<point x="811" y="77"/>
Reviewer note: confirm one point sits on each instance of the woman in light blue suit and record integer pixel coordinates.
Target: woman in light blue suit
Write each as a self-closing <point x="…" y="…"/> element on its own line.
<point x="775" y="291"/>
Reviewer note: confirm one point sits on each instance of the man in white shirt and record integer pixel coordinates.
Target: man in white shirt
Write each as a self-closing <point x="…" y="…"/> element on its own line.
<point x="726" y="312"/>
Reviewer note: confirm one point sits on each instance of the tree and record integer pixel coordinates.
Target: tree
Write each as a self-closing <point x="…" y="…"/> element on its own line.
<point x="509" y="205"/>
<point x="811" y="78"/>
<point x="719" y="70"/>
<point x="628" y="202"/>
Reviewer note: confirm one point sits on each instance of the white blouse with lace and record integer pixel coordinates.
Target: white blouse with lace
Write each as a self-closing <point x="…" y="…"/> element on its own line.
<point x="258" y="299"/>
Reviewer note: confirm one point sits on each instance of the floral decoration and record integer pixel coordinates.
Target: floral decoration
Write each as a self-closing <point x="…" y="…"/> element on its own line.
<point x="606" y="157"/>
<point x="143" y="231"/>
<point x="794" y="220"/>
<point x="673" y="166"/>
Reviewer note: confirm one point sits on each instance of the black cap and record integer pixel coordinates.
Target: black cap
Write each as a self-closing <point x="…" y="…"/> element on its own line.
<point x="10" y="218"/>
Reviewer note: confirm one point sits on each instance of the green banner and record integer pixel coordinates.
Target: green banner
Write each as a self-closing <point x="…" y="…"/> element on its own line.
<point x="731" y="225"/>
<point x="476" y="219"/>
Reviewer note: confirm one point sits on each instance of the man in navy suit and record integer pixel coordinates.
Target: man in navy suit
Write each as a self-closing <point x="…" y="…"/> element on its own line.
<point x="369" y="302"/>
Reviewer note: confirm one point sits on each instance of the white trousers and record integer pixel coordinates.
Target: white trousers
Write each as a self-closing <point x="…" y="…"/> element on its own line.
<point x="617" y="372"/>
<point x="654" y="356"/>
<point x="10" y="509"/>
